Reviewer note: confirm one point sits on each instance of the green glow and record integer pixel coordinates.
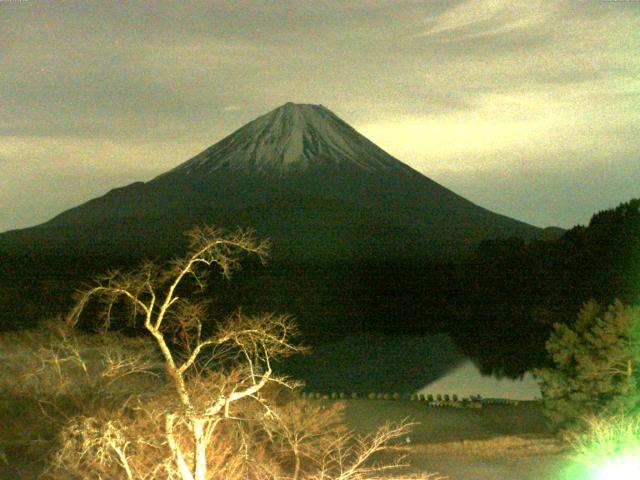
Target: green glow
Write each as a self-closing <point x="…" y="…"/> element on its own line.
<point x="609" y="450"/>
<point x="618" y="467"/>
<point x="623" y="468"/>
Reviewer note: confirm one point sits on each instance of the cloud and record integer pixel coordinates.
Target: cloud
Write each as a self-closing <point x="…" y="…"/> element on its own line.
<point x="502" y="128"/>
<point x="469" y="86"/>
<point x="473" y="19"/>
<point x="41" y="176"/>
<point x="563" y="194"/>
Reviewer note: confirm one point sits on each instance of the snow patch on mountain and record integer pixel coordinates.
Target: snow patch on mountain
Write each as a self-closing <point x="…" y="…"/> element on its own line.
<point x="291" y="138"/>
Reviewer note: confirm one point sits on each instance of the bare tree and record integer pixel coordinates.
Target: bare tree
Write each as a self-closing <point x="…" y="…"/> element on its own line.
<point x="216" y="417"/>
<point x="173" y="321"/>
<point x="305" y="430"/>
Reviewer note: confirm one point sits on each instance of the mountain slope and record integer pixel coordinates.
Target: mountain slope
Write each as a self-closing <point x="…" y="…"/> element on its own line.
<point x="299" y="175"/>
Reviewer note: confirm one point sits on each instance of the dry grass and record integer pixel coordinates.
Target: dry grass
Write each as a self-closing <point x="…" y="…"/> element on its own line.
<point x="498" y="447"/>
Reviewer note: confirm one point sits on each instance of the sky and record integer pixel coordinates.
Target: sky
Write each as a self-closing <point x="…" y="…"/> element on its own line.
<point x="528" y="108"/>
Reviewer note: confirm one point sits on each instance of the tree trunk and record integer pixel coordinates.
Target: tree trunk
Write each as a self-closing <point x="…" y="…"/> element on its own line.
<point x="201" y="449"/>
<point x="183" y="468"/>
<point x="296" y="471"/>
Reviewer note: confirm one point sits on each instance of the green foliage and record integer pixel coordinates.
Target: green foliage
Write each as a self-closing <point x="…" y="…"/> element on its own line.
<point x="596" y="365"/>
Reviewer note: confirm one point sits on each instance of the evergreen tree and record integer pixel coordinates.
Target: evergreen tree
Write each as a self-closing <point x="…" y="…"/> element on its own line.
<point x="596" y="366"/>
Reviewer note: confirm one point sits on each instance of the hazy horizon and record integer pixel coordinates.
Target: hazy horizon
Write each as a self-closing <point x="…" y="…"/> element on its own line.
<point x="529" y="108"/>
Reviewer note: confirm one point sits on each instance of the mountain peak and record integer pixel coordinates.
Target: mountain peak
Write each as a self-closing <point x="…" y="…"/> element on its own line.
<point x="298" y="175"/>
<point x="299" y="106"/>
<point x="291" y="138"/>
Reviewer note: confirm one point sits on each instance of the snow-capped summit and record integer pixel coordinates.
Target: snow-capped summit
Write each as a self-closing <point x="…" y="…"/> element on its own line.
<point x="291" y="138"/>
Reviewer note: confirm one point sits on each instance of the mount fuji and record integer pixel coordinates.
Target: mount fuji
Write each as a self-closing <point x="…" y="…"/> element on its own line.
<point x="298" y="175"/>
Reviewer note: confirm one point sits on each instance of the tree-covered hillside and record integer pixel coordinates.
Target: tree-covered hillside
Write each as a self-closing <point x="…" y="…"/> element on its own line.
<point x="521" y="288"/>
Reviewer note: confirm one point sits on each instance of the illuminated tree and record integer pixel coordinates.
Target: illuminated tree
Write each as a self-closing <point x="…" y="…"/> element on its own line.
<point x="596" y="365"/>
<point x="219" y="415"/>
